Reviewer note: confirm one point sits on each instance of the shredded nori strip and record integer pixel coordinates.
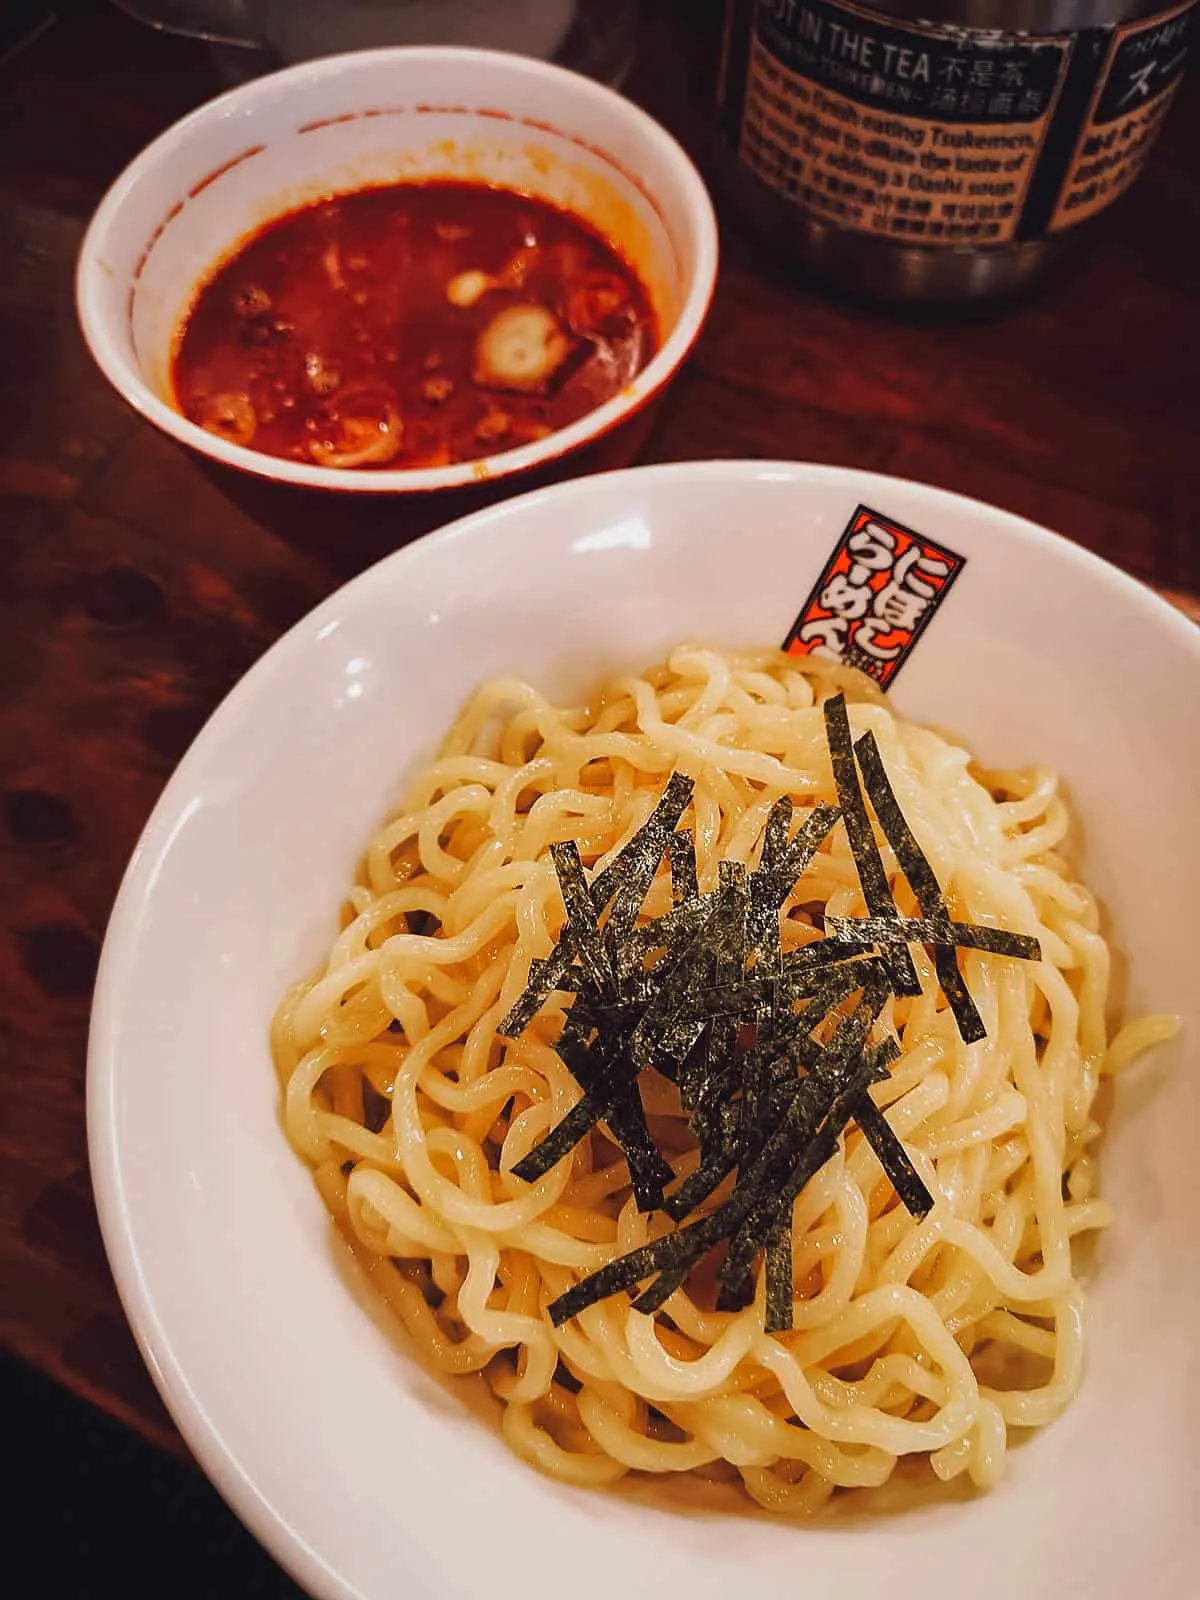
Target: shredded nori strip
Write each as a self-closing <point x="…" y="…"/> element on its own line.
<point x="630" y="873"/>
<point x="781" y="866"/>
<point x="544" y="978"/>
<point x="936" y="931"/>
<point x="582" y="918"/>
<point x="627" y="877"/>
<point x="599" y="1057"/>
<point x="820" y="1106"/>
<point x="764" y="1193"/>
<point x="772" y="1054"/>
<point x="681" y="852"/>
<point x="871" y="874"/>
<point x="893" y="1157"/>
<point x="780" y="1289"/>
<point x="922" y="880"/>
<point x="767" y="1080"/>
<point x="605" y="1069"/>
<point x="775" y="834"/>
<point x="915" y="867"/>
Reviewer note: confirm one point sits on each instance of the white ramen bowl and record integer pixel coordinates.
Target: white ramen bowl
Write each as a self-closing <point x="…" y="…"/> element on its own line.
<point x="374" y="117"/>
<point x="293" y="1387"/>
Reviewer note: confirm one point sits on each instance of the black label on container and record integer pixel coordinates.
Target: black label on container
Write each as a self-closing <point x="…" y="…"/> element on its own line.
<point x="951" y="76"/>
<point x="939" y="136"/>
<point x="1149" y="59"/>
<point x="1133" y="90"/>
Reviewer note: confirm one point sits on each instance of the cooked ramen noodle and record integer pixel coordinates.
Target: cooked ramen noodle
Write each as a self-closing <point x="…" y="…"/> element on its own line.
<point x="911" y="1337"/>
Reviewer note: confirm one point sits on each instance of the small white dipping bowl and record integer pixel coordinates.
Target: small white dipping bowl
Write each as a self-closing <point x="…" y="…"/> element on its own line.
<point x="293" y="1387"/>
<point x="375" y="117"/>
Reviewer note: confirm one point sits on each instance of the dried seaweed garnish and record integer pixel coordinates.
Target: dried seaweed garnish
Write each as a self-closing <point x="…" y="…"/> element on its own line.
<point x="935" y="931"/>
<point x="681" y="852"/>
<point x="544" y="978"/>
<point x="802" y="1139"/>
<point x="767" y="1079"/>
<point x="780" y="1288"/>
<point x="773" y="1054"/>
<point x="923" y="882"/>
<point x="871" y="874"/>
<point x="600" y="1060"/>
<point x="628" y="877"/>
<point x="893" y="1157"/>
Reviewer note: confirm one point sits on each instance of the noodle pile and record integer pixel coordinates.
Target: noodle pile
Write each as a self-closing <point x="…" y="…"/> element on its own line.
<point x="926" y="1338"/>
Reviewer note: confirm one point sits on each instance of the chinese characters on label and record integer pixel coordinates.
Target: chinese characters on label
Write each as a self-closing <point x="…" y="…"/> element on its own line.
<point x="921" y="134"/>
<point x="944" y="137"/>
<point x="879" y="589"/>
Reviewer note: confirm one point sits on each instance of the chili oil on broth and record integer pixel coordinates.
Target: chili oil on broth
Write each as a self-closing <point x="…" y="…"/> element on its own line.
<point x="917" y="1345"/>
<point x="411" y="325"/>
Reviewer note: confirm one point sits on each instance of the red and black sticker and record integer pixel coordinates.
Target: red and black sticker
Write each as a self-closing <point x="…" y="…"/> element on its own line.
<point x="878" y="591"/>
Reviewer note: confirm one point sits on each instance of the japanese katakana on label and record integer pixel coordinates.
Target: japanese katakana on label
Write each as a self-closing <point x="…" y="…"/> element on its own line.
<point x="1129" y="101"/>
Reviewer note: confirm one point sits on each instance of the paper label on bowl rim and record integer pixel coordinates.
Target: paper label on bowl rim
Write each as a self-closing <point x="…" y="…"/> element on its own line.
<point x="875" y="596"/>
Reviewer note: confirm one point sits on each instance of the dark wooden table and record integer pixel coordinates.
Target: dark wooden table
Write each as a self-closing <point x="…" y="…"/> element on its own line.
<point x="136" y="588"/>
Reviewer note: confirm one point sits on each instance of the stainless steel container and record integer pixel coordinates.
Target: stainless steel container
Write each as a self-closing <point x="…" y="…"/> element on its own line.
<point x="940" y="151"/>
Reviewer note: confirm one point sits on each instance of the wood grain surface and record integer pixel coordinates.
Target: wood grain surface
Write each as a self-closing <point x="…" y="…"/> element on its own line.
<point x="136" y="586"/>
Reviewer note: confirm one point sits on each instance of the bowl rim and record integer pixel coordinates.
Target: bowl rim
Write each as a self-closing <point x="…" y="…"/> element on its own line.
<point x="201" y="1431"/>
<point x="105" y="342"/>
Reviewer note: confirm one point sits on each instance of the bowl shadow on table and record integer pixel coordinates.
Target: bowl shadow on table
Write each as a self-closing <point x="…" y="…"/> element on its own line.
<point x="102" y="1512"/>
<point x="913" y="1489"/>
<point x="349" y="532"/>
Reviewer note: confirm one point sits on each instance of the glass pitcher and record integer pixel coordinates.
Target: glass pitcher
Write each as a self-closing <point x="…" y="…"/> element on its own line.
<point x="592" y="36"/>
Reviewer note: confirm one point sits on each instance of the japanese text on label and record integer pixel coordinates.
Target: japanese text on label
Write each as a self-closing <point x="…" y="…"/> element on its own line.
<point x="1131" y="99"/>
<point x="916" y="134"/>
<point x="878" y="591"/>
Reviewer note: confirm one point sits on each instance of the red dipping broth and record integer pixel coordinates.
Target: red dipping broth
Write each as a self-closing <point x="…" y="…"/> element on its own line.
<point x="412" y="325"/>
